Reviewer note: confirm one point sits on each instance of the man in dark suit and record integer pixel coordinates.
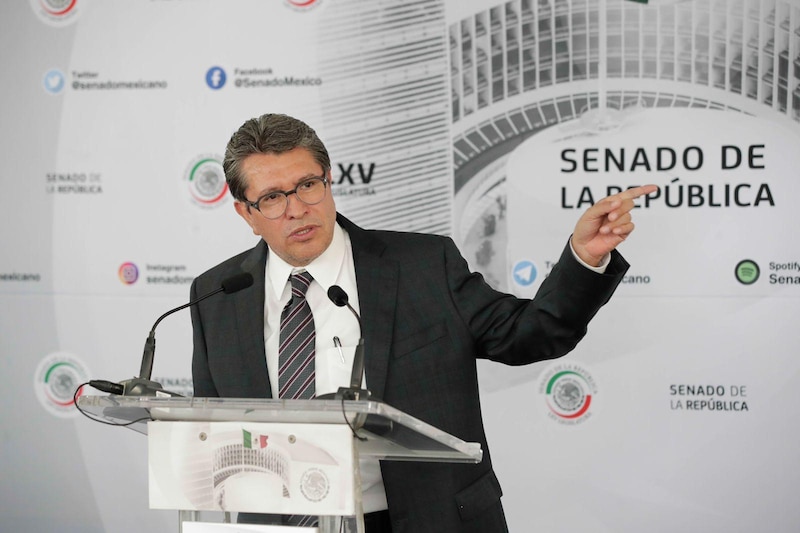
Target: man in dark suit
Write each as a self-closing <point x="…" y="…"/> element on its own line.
<point x="426" y="317"/>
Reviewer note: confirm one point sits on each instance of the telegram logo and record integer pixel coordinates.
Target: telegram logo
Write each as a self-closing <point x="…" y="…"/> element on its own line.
<point x="524" y="273"/>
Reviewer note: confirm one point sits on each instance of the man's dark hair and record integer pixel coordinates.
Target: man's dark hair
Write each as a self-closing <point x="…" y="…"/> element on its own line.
<point x="269" y="134"/>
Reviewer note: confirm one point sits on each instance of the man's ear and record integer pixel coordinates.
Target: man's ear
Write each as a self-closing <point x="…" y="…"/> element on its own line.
<point x="246" y="213"/>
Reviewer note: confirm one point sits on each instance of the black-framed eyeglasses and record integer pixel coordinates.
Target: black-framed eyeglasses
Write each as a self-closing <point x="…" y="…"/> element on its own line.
<point x="310" y="191"/>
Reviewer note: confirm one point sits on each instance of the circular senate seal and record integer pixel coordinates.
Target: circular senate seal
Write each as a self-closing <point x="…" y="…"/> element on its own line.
<point x="569" y="390"/>
<point x="56" y="379"/>
<point x="302" y="5"/>
<point x="314" y="484"/>
<point x="206" y="180"/>
<point x="56" y="12"/>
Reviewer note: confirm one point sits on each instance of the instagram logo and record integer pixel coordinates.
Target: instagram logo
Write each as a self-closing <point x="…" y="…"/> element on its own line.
<point x="128" y="273"/>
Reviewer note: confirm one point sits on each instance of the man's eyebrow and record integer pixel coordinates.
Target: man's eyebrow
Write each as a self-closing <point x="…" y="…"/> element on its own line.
<point x="300" y="180"/>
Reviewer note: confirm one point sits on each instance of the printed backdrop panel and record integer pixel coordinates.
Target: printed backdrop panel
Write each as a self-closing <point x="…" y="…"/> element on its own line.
<point x="724" y="182"/>
<point x="495" y="122"/>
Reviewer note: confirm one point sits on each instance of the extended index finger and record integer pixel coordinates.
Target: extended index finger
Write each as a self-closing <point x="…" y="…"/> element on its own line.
<point x="636" y="192"/>
<point x="622" y="202"/>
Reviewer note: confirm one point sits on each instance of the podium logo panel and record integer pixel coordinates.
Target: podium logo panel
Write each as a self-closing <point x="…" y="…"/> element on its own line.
<point x="255" y="467"/>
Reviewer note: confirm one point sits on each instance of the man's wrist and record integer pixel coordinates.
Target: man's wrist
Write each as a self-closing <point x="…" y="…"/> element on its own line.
<point x="600" y="269"/>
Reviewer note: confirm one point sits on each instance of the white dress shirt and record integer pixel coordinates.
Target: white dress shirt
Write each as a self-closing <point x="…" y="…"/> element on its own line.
<point x="333" y="366"/>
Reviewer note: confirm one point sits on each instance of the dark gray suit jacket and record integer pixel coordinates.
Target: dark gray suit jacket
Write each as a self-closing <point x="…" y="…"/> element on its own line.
<point x="426" y="320"/>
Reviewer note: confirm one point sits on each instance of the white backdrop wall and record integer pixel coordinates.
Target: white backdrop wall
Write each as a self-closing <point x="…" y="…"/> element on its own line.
<point x="494" y="122"/>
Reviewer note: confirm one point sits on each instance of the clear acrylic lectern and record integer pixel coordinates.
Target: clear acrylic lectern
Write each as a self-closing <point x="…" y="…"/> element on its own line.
<point x="272" y="456"/>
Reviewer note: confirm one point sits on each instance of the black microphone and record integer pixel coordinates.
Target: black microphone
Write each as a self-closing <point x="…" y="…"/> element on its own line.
<point x="354" y="392"/>
<point x="142" y="386"/>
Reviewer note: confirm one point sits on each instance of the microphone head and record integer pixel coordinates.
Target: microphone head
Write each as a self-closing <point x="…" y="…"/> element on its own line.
<point x="237" y="282"/>
<point x="337" y="295"/>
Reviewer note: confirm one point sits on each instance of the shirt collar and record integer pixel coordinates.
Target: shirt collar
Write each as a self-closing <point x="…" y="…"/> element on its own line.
<point x="325" y="268"/>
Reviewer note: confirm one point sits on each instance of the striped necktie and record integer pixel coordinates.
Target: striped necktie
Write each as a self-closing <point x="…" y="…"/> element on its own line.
<point x="296" y="346"/>
<point x="296" y="357"/>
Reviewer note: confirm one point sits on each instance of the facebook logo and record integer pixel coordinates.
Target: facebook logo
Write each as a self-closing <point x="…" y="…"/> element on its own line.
<point x="215" y="78"/>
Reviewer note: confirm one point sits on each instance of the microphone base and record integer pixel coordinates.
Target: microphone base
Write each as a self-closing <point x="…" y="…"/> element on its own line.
<point x="346" y="393"/>
<point x="144" y="388"/>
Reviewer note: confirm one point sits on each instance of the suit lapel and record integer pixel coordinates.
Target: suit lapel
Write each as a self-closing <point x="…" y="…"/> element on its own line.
<point x="377" y="279"/>
<point x="250" y="317"/>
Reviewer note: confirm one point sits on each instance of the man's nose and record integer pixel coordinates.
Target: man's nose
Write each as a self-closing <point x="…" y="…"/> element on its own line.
<point x="295" y="206"/>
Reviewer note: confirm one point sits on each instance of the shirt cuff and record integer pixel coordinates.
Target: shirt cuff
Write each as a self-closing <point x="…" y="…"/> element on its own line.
<point x="600" y="269"/>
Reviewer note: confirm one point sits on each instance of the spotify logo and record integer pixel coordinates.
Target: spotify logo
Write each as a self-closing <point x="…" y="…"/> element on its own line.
<point x="747" y="272"/>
